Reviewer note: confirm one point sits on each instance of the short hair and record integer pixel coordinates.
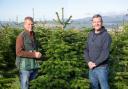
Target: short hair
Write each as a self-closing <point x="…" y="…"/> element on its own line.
<point x="29" y="18"/>
<point x="96" y="16"/>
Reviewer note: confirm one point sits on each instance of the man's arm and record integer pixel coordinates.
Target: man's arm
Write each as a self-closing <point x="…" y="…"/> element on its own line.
<point x="91" y="64"/>
<point x="86" y="51"/>
<point x="21" y="52"/>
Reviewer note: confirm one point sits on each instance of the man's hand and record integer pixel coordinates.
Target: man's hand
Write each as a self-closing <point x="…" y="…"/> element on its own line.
<point x="91" y="65"/>
<point x="38" y="55"/>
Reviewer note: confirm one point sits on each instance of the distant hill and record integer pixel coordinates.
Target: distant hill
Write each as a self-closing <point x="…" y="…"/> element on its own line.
<point x="109" y="21"/>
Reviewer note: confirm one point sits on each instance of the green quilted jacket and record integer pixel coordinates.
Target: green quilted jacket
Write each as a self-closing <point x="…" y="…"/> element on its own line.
<point x="27" y="63"/>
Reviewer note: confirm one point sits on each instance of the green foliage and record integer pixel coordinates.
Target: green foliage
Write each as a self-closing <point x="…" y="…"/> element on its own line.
<point x="81" y="83"/>
<point x="63" y="65"/>
<point x="59" y="74"/>
<point x="119" y="60"/>
<point x="62" y="21"/>
<point x="9" y="83"/>
<point x="7" y="57"/>
<point x="64" y="61"/>
<point x="47" y="82"/>
<point x="7" y="47"/>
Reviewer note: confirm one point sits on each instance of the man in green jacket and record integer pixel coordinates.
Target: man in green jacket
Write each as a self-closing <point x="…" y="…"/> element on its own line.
<point x="27" y="54"/>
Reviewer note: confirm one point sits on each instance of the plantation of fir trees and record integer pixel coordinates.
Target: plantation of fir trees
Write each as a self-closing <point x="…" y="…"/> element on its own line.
<point x="62" y="65"/>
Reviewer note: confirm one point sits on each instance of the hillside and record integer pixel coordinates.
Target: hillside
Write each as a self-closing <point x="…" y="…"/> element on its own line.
<point x="109" y="22"/>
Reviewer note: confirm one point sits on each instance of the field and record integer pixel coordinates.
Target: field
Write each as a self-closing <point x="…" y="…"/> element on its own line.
<point x="62" y="65"/>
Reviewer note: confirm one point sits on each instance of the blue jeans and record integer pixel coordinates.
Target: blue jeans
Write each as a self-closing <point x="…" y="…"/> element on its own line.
<point x="26" y="76"/>
<point x="99" y="78"/>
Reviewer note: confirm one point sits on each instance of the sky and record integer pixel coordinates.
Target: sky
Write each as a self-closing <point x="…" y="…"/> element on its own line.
<point x="11" y="10"/>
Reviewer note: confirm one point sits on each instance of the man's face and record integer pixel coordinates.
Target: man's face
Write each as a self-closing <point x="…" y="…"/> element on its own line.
<point x="28" y="25"/>
<point x="97" y="23"/>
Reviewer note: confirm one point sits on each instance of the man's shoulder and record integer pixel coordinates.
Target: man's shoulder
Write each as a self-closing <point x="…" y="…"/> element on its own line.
<point x="22" y="34"/>
<point x="91" y="32"/>
<point x="107" y="34"/>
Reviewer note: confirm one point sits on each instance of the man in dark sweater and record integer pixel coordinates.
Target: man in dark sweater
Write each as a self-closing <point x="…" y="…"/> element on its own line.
<point x="97" y="53"/>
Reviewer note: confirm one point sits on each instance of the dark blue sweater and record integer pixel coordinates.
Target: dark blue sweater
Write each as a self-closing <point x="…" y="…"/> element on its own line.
<point x="97" y="48"/>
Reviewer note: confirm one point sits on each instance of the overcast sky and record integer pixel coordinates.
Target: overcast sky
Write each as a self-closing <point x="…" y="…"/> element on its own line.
<point x="45" y="9"/>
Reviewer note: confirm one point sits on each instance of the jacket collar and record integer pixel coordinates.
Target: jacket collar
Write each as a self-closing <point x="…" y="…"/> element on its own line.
<point x="101" y="30"/>
<point x="31" y="33"/>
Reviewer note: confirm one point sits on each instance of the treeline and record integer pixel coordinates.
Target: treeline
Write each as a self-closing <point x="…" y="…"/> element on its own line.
<point x="62" y="64"/>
